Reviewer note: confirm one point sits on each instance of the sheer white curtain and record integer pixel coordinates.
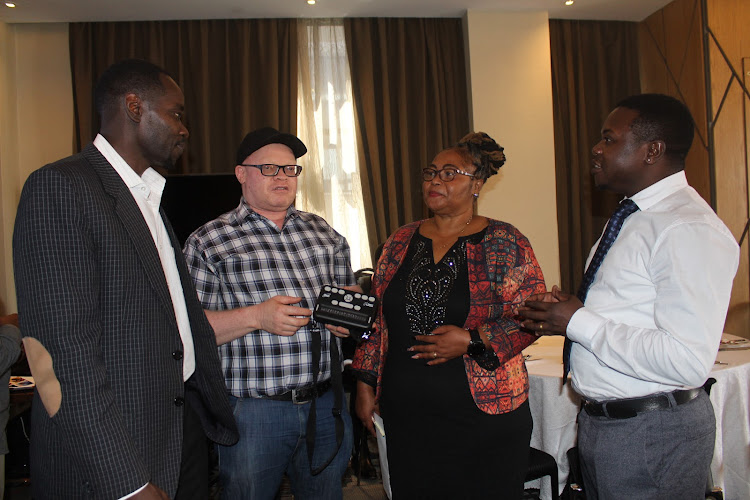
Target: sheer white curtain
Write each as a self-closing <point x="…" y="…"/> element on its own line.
<point x="329" y="185"/>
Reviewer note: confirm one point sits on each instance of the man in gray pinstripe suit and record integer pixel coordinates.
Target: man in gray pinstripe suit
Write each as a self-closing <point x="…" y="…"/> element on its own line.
<point x="128" y="378"/>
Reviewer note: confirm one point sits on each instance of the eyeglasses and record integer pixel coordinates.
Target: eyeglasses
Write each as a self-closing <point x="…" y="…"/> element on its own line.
<point x="446" y="174"/>
<point x="270" y="170"/>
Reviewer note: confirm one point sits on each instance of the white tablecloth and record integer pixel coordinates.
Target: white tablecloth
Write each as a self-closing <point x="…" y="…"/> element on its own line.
<point x="555" y="408"/>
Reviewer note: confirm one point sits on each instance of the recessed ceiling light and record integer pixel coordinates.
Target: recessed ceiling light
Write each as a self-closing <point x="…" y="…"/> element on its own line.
<point x="10" y="4"/>
<point x="311" y="2"/>
<point x="569" y="2"/>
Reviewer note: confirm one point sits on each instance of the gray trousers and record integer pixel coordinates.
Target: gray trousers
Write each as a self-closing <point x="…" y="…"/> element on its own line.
<point x="664" y="454"/>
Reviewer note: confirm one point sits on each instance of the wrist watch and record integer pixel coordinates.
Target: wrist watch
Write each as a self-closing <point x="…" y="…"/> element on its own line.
<point x="486" y="358"/>
<point x="476" y="346"/>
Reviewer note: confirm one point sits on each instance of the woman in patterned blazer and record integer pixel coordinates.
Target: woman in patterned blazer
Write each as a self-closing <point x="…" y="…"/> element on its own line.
<point x="444" y="362"/>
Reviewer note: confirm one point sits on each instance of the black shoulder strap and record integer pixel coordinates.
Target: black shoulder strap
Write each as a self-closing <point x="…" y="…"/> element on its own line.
<point x="338" y="395"/>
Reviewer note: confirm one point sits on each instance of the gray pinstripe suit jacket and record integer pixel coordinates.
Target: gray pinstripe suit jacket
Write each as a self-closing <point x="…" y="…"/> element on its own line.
<point x="92" y="290"/>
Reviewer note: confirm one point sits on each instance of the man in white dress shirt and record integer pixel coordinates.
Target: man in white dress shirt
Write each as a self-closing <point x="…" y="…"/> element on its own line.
<point x="645" y="338"/>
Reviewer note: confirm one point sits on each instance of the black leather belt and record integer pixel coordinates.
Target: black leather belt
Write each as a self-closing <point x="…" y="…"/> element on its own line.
<point x="304" y="395"/>
<point x="629" y="408"/>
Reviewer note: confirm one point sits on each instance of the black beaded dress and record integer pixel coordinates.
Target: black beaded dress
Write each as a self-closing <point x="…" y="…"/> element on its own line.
<point x="440" y="445"/>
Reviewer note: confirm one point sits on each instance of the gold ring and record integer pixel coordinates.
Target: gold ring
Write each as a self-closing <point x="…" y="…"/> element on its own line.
<point x="541" y="326"/>
<point x="434" y="354"/>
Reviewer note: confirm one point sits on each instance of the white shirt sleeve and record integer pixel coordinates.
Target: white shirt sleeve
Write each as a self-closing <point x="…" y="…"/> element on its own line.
<point x="692" y="290"/>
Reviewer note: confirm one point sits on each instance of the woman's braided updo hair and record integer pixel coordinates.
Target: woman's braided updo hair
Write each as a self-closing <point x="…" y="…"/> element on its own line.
<point x="481" y="150"/>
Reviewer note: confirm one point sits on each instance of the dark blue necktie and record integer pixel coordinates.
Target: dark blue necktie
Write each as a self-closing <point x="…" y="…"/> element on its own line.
<point x="614" y="225"/>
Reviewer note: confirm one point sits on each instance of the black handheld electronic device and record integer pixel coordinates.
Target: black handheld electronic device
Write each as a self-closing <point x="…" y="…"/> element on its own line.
<point x="352" y="310"/>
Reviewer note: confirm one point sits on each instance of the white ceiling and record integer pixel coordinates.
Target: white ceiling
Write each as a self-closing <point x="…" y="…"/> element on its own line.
<point x="30" y="11"/>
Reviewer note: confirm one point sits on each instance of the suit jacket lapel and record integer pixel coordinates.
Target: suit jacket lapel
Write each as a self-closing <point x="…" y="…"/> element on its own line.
<point x="131" y="217"/>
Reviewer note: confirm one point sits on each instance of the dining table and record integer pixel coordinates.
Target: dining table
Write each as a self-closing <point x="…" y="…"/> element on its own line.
<point x="554" y="408"/>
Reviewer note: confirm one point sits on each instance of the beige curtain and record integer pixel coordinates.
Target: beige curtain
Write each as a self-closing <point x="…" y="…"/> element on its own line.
<point x="410" y="101"/>
<point x="594" y="65"/>
<point x="330" y="184"/>
<point x="237" y="75"/>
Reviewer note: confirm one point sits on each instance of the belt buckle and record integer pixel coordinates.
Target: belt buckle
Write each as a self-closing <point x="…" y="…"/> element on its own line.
<point x="296" y="401"/>
<point x="590" y="408"/>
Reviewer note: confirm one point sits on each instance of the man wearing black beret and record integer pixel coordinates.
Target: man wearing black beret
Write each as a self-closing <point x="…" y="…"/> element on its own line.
<point x="258" y="269"/>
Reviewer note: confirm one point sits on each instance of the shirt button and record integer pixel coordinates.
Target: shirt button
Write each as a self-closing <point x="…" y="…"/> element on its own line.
<point x="179" y="401"/>
<point x="177" y="355"/>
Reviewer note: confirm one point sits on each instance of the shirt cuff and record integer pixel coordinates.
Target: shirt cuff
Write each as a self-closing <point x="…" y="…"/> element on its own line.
<point x="135" y="492"/>
<point x="583" y="326"/>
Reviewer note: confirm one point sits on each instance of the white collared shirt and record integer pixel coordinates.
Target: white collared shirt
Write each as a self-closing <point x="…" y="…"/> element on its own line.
<point x="654" y="315"/>
<point x="147" y="191"/>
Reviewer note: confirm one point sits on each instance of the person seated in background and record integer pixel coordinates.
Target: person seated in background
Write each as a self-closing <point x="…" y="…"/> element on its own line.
<point x="258" y="270"/>
<point x="643" y="331"/>
<point x="444" y="362"/>
<point x="10" y="349"/>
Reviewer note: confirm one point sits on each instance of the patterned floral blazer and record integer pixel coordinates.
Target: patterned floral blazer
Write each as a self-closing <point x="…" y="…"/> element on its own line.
<point x="503" y="272"/>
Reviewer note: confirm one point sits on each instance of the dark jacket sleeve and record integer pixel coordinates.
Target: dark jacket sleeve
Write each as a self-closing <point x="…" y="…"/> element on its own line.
<point x="58" y="287"/>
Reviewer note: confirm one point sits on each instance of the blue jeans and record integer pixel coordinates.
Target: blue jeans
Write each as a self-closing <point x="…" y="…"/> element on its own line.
<point x="272" y="442"/>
